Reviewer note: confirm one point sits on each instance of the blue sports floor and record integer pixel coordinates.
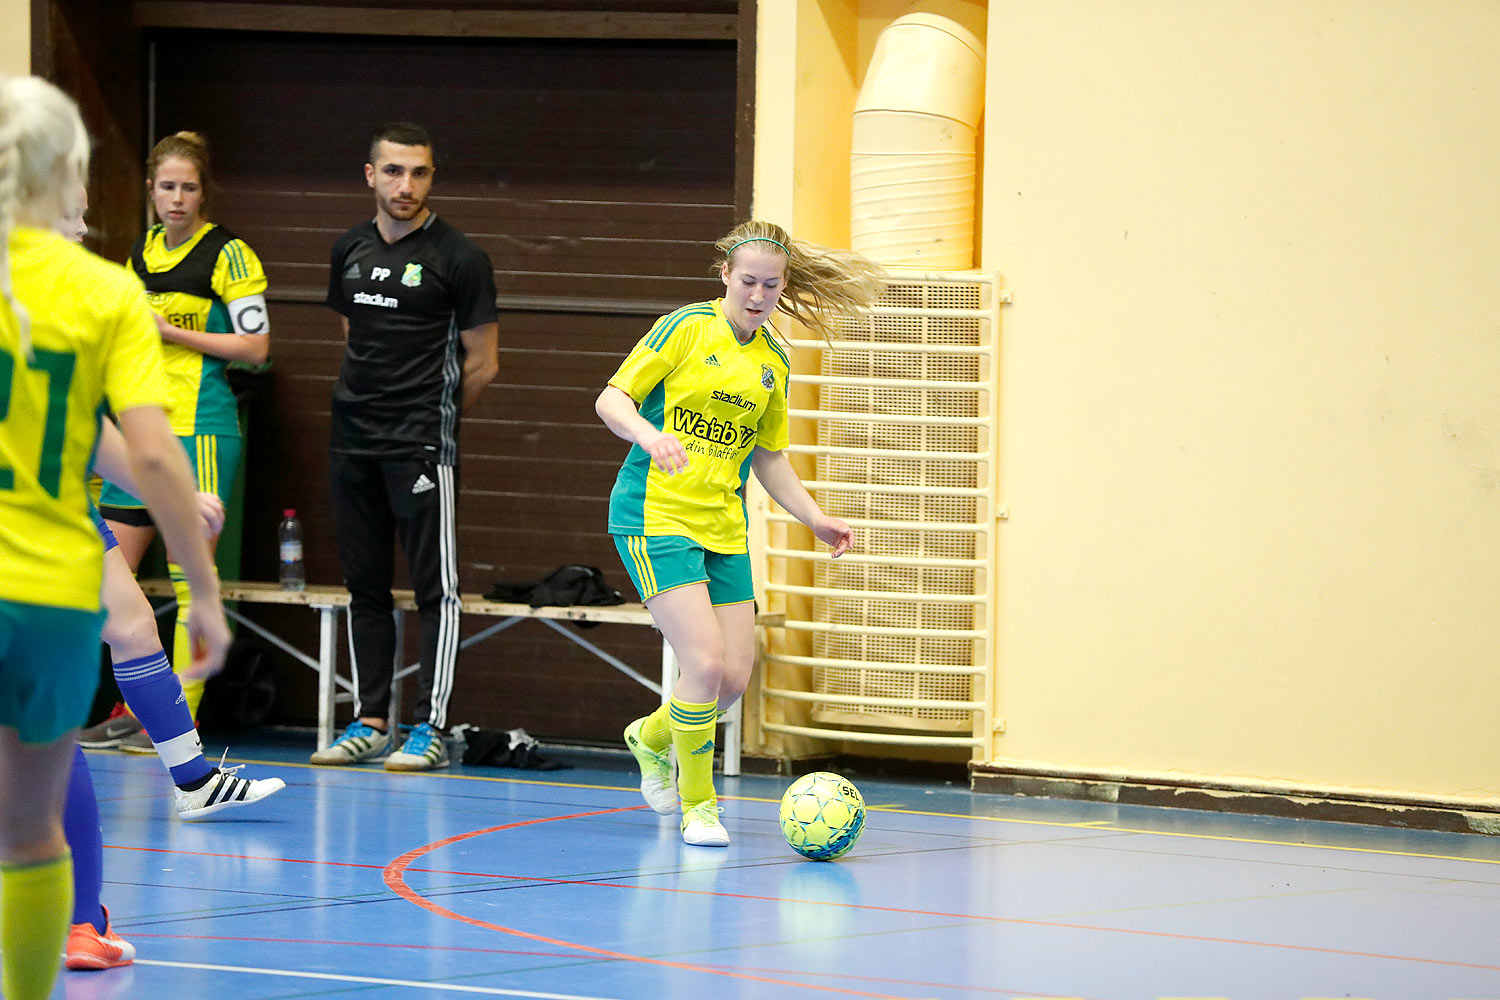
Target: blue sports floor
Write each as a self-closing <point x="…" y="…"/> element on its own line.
<point x="492" y="882"/>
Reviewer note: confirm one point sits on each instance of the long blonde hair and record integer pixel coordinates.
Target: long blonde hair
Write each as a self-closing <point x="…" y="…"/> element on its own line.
<point x="44" y="148"/>
<point x="820" y="282"/>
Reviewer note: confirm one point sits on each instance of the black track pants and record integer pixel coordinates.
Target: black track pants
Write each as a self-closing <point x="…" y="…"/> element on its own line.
<point x="375" y="502"/>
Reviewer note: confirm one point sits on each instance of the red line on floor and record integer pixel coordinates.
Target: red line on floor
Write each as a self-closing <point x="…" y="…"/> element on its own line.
<point x="567" y="954"/>
<point x="1017" y="920"/>
<point x="395" y="871"/>
<point x="349" y="944"/>
<point x="406" y="858"/>
<point x="316" y="861"/>
<point x="395" y="878"/>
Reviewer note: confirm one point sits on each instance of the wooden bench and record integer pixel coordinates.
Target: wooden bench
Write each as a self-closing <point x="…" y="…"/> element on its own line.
<point x="332" y="687"/>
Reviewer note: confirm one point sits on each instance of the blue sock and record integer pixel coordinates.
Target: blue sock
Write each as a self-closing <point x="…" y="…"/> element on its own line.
<point x="154" y="695"/>
<point x="81" y="824"/>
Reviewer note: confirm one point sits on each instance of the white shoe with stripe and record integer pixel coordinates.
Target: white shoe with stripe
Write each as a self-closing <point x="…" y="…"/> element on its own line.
<point x="224" y="790"/>
<point x="359" y="743"/>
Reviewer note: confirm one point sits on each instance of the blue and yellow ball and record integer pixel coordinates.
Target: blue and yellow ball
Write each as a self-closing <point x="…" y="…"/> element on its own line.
<point x="822" y="815"/>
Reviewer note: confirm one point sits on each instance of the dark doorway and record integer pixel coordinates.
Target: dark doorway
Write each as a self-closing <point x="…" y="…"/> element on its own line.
<point x="596" y="174"/>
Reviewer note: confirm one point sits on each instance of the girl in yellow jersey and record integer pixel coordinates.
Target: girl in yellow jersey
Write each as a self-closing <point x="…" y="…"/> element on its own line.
<point x="207" y="290"/>
<point x="703" y="401"/>
<point x="75" y="334"/>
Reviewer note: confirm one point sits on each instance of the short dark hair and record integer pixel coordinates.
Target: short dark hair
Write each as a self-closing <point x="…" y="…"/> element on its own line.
<point x="400" y="133"/>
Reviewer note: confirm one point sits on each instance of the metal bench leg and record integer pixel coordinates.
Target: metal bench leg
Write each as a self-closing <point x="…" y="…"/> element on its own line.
<point x="732" y="738"/>
<point x="328" y="665"/>
<point x="668" y="670"/>
<point x="668" y="679"/>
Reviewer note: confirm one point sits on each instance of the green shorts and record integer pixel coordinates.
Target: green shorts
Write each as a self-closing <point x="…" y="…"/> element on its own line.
<point x="49" y="668"/>
<point x="658" y="563"/>
<point x="215" y="459"/>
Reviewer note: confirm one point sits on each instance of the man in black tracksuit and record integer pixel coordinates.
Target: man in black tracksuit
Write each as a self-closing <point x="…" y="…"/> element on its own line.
<point x="418" y="302"/>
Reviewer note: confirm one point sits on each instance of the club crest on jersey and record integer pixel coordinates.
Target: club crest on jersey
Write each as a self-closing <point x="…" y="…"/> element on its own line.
<point x="412" y="276"/>
<point x="768" y="378"/>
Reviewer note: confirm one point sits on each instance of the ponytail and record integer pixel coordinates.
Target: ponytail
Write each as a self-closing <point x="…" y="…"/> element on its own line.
<point x="820" y="282"/>
<point x="10" y="129"/>
<point x="43" y="149"/>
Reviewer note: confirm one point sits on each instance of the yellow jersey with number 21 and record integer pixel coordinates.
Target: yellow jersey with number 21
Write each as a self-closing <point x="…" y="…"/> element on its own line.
<point x="92" y="339"/>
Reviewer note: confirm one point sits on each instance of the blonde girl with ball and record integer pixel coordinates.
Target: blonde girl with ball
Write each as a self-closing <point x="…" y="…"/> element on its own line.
<point x="702" y="399"/>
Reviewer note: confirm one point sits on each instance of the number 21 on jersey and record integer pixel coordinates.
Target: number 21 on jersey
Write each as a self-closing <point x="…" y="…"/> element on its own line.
<point x="58" y="368"/>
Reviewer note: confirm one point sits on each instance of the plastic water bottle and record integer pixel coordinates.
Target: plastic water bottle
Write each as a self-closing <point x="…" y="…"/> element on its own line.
<point x="293" y="575"/>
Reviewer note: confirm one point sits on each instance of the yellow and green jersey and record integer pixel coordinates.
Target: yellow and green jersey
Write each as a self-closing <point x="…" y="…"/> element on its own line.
<point x="92" y="340"/>
<point x="691" y="377"/>
<point x="191" y="286"/>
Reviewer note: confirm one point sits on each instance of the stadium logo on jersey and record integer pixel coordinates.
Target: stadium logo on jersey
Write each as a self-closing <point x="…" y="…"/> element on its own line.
<point x="412" y="276"/>
<point x="368" y="299"/>
<point x="422" y="485"/>
<point x="352" y="271"/>
<point x="712" y="360"/>
<point x="768" y="378"/>
<point x="736" y="399"/>
<point x="723" y="432"/>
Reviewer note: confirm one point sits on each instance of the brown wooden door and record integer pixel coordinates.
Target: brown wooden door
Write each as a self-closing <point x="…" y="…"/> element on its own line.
<point x="596" y="174"/>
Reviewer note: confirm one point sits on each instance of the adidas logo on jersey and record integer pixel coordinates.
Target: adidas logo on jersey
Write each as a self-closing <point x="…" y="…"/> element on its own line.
<point x="352" y="271"/>
<point x="705" y="748"/>
<point x="712" y="359"/>
<point x="422" y="485"/>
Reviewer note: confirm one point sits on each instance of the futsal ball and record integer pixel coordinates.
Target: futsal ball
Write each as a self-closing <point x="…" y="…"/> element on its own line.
<point x="822" y="815"/>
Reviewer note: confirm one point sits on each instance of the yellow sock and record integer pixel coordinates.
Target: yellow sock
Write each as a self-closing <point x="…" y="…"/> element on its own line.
<point x="36" y="903"/>
<point x="655" y="732"/>
<point x="182" y="649"/>
<point x="693" y="737"/>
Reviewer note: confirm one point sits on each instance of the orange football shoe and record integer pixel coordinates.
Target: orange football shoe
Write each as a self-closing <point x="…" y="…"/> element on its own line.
<point x="88" y="949"/>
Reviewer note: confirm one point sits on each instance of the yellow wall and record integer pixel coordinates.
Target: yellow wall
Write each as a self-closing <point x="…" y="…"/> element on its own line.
<point x="806" y="66"/>
<point x="811" y="57"/>
<point x="15" y="40"/>
<point x="1251" y="391"/>
<point x="1251" y="380"/>
<point x="806" y="81"/>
